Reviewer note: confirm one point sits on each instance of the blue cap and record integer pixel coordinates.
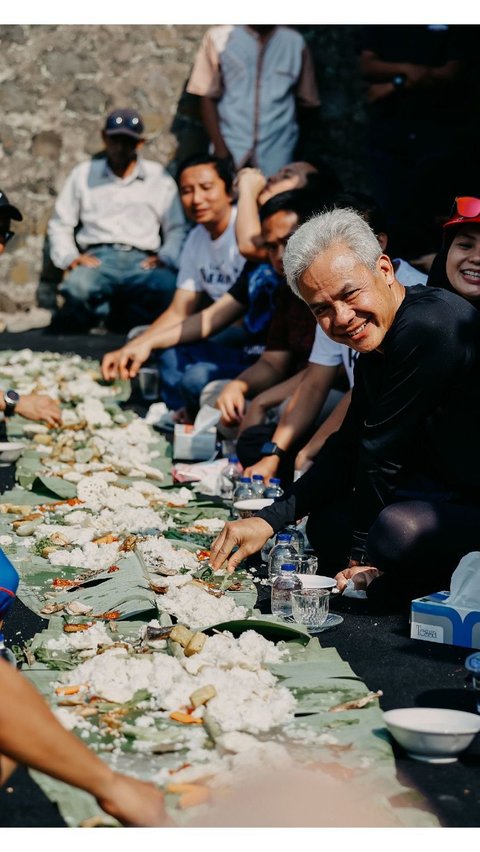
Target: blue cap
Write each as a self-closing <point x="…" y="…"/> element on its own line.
<point x="258" y="476"/>
<point x="284" y="537"/>
<point x="245" y="479"/>
<point x="472" y="664"/>
<point x="233" y="459"/>
<point x="274" y="480"/>
<point x="288" y="566"/>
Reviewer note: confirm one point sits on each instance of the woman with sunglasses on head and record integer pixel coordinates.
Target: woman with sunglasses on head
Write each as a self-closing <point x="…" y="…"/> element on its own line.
<point x="457" y="265"/>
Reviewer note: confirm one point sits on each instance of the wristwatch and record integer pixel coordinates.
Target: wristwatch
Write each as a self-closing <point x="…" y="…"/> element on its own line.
<point x="271" y="449"/>
<point x="10" y="398"/>
<point x="398" y="81"/>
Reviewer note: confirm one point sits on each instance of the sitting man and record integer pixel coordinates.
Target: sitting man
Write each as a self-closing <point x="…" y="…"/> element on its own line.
<point x="394" y="495"/>
<point x="33" y="406"/>
<point x="279" y="450"/>
<point x="210" y="264"/>
<point x="105" y="231"/>
<point x="241" y="300"/>
<point x="279" y="369"/>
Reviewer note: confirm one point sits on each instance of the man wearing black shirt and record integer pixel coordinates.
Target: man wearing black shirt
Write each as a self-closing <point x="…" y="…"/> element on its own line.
<point x="397" y="488"/>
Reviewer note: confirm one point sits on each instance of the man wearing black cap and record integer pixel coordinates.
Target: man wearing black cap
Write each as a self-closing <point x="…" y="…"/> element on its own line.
<point x="116" y="257"/>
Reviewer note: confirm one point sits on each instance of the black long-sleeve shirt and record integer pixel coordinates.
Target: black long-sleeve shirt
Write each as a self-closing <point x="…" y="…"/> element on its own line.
<point x="414" y="409"/>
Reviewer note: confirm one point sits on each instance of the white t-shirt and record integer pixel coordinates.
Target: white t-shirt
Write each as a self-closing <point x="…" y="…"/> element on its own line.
<point x="328" y="353"/>
<point x="210" y="265"/>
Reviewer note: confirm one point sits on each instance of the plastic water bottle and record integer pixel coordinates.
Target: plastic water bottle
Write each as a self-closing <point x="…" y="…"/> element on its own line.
<point x="273" y="489"/>
<point x="244" y="490"/>
<point x="472" y="665"/>
<point x="6" y="654"/>
<point x="283" y="586"/>
<point x="283" y="551"/>
<point x="298" y="539"/>
<point x="228" y="479"/>
<point x="257" y="485"/>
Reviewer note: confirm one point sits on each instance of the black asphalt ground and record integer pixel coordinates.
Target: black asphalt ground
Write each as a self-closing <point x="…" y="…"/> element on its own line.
<point x="378" y="648"/>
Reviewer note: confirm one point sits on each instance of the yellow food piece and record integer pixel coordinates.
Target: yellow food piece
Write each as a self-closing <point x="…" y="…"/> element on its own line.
<point x="48" y="550"/>
<point x="25" y="519"/>
<point x="43" y="439"/>
<point x="196" y="644"/>
<point x="105" y="539"/>
<point x="185" y="718"/>
<point x="202" y="695"/>
<point x="181" y="634"/>
<point x="67" y="690"/>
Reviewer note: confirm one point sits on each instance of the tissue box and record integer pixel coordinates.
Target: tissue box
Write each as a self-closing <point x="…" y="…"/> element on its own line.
<point x="433" y="620"/>
<point x="189" y="445"/>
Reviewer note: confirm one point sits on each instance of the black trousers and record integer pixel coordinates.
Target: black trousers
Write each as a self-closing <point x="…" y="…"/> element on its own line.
<point x="417" y="542"/>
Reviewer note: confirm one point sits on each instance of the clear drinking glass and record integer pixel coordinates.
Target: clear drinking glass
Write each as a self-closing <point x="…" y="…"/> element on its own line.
<point x="306" y="564"/>
<point x="149" y="384"/>
<point x="310" y="607"/>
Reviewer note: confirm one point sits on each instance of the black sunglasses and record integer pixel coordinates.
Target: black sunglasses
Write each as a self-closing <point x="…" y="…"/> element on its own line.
<point x="5" y="236"/>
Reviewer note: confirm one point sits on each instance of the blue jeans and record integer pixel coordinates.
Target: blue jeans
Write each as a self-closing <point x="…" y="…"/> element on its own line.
<point x="119" y="288"/>
<point x="186" y="369"/>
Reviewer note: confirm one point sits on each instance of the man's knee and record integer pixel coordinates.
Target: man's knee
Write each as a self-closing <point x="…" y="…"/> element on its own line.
<point x="195" y="378"/>
<point x="394" y="535"/>
<point x="82" y="283"/>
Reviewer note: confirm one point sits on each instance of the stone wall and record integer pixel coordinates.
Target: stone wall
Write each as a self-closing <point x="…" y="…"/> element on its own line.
<point x="58" y="82"/>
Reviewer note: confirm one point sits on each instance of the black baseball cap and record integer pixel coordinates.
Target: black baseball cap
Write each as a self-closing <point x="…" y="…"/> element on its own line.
<point x="7" y="210"/>
<point x="124" y="122"/>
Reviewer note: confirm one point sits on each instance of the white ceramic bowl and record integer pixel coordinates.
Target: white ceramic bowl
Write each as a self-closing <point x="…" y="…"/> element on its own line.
<point x="432" y="734"/>
<point x="247" y="508"/>
<point x="316" y="581"/>
<point x="10" y="451"/>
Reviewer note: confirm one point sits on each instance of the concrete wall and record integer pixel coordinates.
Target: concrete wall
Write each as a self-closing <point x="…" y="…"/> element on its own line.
<point x="58" y="82"/>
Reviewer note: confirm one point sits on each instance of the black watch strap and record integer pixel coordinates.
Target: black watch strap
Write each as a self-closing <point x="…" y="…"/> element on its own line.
<point x="271" y="449"/>
<point x="10" y="398"/>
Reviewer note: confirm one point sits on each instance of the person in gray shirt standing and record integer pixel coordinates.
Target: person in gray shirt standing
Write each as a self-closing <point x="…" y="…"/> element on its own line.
<point x="117" y="230"/>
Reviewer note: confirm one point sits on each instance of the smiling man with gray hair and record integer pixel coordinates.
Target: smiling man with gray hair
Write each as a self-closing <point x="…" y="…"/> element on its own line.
<point x="393" y="498"/>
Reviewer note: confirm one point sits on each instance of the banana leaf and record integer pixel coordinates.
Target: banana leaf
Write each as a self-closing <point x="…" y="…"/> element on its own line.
<point x="266" y="626"/>
<point x="55" y="485"/>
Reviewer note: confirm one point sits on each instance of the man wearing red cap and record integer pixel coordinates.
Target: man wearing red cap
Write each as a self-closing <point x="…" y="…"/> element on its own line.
<point x="105" y="233"/>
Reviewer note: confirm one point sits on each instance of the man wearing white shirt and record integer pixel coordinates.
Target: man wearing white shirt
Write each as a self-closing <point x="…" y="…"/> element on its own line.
<point x="105" y="233"/>
<point x="210" y="264"/>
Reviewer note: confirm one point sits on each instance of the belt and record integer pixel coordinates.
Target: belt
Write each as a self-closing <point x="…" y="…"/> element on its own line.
<point x="119" y="247"/>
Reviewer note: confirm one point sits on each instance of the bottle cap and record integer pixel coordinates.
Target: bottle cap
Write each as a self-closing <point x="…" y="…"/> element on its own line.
<point x="274" y="480"/>
<point x="284" y="537"/>
<point x="233" y="459"/>
<point x="472" y="664"/>
<point x="258" y="476"/>
<point x="245" y="479"/>
<point x="288" y="566"/>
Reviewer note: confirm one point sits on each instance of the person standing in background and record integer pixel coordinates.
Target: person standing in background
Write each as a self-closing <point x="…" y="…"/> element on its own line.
<point x="251" y="80"/>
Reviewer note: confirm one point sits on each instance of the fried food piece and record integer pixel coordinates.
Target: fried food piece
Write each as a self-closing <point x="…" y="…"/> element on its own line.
<point x="181" y="634"/>
<point x="202" y="695"/>
<point x="196" y="644"/>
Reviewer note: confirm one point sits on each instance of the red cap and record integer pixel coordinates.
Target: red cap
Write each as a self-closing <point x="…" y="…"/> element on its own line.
<point x="466" y="209"/>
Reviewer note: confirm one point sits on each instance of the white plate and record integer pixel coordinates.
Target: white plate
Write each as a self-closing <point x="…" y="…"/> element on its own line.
<point x="10" y="451"/>
<point x="432" y="734"/>
<point x="332" y="620"/>
<point x="316" y="581"/>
